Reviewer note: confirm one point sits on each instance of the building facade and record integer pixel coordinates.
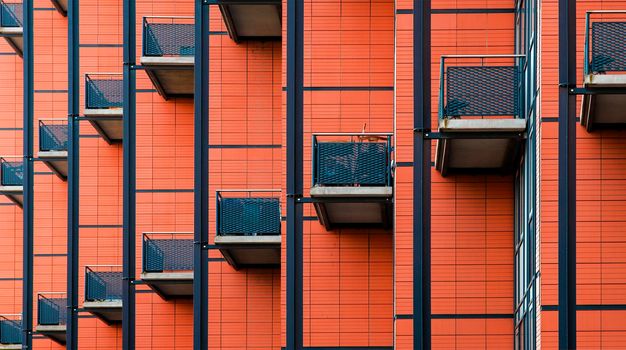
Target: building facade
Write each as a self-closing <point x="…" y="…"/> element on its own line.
<point x="337" y="174"/>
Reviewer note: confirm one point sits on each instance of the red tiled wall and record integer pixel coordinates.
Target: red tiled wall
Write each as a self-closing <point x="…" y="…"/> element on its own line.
<point x="601" y="195"/>
<point x="472" y="216"/>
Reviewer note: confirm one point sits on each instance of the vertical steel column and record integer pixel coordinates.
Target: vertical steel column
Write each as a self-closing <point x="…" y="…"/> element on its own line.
<point x="28" y="178"/>
<point x="567" y="175"/>
<point x="421" y="174"/>
<point x="201" y="178"/>
<point x="73" y="174"/>
<point x="129" y="145"/>
<point x="295" y="105"/>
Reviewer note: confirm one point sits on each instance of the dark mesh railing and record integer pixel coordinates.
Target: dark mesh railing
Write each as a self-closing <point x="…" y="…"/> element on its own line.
<point x="52" y="135"/>
<point x="479" y="86"/>
<point x="103" y="91"/>
<point x="10" y="329"/>
<point x="103" y="283"/>
<point x="167" y="252"/>
<point x="52" y="309"/>
<point x="605" y="42"/>
<point x="11" y="171"/>
<point x="168" y="36"/>
<point x="362" y="160"/>
<point x="11" y="14"/>
<point x="241" y="214"/>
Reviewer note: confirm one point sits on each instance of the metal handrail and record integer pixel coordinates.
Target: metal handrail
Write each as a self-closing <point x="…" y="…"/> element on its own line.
<point x="146" y="239"/>
<point x="92" y="77"/>
<point x="145" y="27"/>
<point x="587" y="48"/>
<point x="49" y="141"/>
<point x="442" y="74"/>
<point x="386" y="136"/>
<point x="219" y="210"/>
<point x="5" y="5"/>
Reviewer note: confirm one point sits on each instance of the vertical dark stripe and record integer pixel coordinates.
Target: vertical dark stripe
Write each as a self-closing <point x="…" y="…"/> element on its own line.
<point x="201" y="177"/>
<point x="295" y="74"/>
<point x="73" y="174"/>
<point x="129" y="149"/>
<point x="421" y="175"/>
<point x="567" y="175"/>
<point x="28" y="177"/>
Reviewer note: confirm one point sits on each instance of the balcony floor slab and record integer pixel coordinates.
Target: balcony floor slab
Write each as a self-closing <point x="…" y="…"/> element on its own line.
<point x="603" y="110"/>
<point x="250" y="251"/>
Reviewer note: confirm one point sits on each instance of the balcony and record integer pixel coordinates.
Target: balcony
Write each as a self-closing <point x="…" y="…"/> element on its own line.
<point x="52" y="315"/>
<point x="604" y="70"/>
<point x="53" y="145"/>
<point x="252" y="19"/>
<point x="103" y="105"/>
<point x="11" y="177"/>
<point x="10" y="332"/>
<point x="11" y="24"/>
<point x="168" y="263"/>
<point x="103" y="292"/>
<point x="61" y="6"/>
<point x="168" y="54"/>
<point x="481" y="121"/>
<point x="352" y="180"/>
<point x="248" y="227"/>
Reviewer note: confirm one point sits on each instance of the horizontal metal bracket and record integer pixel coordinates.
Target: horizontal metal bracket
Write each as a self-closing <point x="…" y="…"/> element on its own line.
<point x="344" y="200"/>
<point x="597" y="91"/>
<point x="470" y="135"/>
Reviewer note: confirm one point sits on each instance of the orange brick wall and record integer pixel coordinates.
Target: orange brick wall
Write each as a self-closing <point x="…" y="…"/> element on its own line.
<point x="472" y="216"/>
<point x="10" y="214"/>
<point x="601" y="195"/>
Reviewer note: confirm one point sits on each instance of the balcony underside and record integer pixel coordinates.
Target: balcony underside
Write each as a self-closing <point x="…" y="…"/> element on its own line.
<point x="54" y="332"/>
<point x="108" y="311"/>
<point x="56" y="161"/>
<point x="61" y="6"/>
<point x="252" y="20"/>
<point x="604" y="110"/>
<point x="109" y="123"/>
<point x="170" y="285"/>
<point x="10" y="346"/>
<point x="351" y="206"/>
<point x="250" y="251"/>
<point x="14" y="36"/>
<point x="171" y="76"/>
<point x="14" y="193"/>
<point x="479" y="145"/>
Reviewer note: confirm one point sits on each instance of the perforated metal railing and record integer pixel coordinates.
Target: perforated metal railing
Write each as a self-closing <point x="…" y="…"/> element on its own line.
<point x="352" y="159"/>
<point x="11" y="171"/>
<point x="10" y="329"/>
<point x="248" y="212"/>
<point x="168" y="36"/>
<point x="103" y="283"/>
<point x="605" y="42"/>
<point x="52" y="135"/>
<point x="52" y="308"/>
<point x="172" y="251"/>
<point x="480" y="86"/>
<point x="11" y="13"/>
<point x="103" y="91"/>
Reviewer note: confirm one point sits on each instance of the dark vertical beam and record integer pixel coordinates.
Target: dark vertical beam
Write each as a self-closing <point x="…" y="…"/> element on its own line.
<point x="73" y="174"/>
<point x="201" y="178"/>
<point x="295" y="105"/>
<point x="129" y="146"/>
<point x="567" y="175"/>
<point x="28" y="178"/>
<point x="421" y="174"/>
